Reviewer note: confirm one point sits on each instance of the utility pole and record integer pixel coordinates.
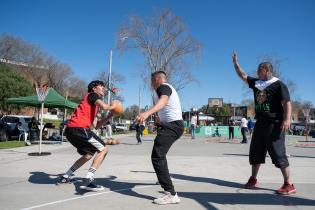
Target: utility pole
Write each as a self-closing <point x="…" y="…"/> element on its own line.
<point x="139" y="98"/>
<point x="110" y="76"/>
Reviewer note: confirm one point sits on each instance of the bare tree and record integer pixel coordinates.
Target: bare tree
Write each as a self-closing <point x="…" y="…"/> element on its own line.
<point x="249" y="103"/>
<point x="24" y="57"/>
<point x="13" y="48"/>
<point x="116" y="79"/>
<point x="77" y="88"/>
<point x="307" y="105"/>
<point x="276" y="63"/>
<point x="296" y="106"/>
<point x="130" y="112"/>
<point x="164" y="41"/>
<point x="36" y="65"/>
<point x="58" y="76"/>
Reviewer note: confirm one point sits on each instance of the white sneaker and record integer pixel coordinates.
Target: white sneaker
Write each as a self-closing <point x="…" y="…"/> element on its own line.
<point x="168" y="198"/>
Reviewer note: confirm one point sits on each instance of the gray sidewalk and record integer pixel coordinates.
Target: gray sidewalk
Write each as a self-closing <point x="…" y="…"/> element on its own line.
<point x="208" y="173"/>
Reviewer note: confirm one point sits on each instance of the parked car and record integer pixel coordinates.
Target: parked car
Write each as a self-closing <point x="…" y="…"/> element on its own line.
<point x="8" y="126"/>
<point x="120" y="127"/>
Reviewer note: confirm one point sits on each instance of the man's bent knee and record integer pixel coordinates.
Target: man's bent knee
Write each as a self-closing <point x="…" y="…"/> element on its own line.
<point x="88" y="156"/>
<point x="104" y="151"/>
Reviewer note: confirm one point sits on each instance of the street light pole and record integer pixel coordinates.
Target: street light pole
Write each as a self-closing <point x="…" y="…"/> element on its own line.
<point x="110" y="76"/>
<point x="139" y="97"/>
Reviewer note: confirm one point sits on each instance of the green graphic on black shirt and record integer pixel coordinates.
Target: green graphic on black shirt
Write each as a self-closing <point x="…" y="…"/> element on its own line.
<point x="262" y="104"/>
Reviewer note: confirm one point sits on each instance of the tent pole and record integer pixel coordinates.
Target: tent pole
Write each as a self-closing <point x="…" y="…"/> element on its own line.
<point x="63" y="126"/>
<point x="41" y="128"/>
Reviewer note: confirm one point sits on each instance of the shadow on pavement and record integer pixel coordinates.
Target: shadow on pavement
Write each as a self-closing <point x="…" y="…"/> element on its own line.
<point x="125" y="188"/>
<point x="203" y="198"/>
<point x="235" y="198"/>
<point x="38" y="177"/>
<point x="237" y="154"/>
<point x="246" y="199"/>
<point x="292" y="156"/>
<point x="301" y="156"/>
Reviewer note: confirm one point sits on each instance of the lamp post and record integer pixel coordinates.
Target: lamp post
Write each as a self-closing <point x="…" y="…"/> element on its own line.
<point x="139" y="98"/>
<point x="110" y="76"/>
<point x="110" y="71"/>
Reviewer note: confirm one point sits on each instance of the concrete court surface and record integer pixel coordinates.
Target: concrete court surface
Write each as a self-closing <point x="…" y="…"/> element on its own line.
<point x="208" y="173"/>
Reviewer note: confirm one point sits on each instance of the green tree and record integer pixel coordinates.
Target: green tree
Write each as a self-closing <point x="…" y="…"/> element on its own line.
<point x="130" y="112"/>
<point x="216" y="111"/>
<point x="12" y="85"/>
<point x="219" y="113"/>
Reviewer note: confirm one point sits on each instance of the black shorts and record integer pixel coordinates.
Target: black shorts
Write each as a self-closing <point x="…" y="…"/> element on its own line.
<point x="84" y="140"/>
<point x="268" y="136"/>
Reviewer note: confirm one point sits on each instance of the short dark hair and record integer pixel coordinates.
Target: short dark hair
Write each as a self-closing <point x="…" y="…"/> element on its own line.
<point x="158" y="72"/>
<point x="95" y="83"/>
<point x="266" y="65"/>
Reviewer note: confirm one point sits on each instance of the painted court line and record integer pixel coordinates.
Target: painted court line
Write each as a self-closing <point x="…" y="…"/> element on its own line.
<point x="85" y="196"/>
<point x="95" y="194"/>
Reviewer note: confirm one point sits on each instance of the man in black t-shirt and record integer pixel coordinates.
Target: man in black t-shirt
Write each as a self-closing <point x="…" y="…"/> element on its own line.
<point x="273" y="111"/>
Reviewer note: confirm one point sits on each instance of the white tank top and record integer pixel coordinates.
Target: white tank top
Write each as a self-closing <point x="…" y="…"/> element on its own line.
<point x="172" y="111"/>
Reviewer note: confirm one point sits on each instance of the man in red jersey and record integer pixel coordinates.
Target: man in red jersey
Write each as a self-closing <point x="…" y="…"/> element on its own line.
<point x="79" y="134"/>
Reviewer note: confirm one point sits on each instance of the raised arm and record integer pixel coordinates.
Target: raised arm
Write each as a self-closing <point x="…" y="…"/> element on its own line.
<point x="240" y="72"/>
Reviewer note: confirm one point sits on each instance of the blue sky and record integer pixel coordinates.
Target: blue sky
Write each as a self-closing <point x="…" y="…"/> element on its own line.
<point x="81" y="34"/>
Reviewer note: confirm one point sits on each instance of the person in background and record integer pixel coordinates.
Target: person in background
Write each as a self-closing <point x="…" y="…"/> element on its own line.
<point x="244" y="130"/>
<point x="193" y="125"/>
<point x="109" y="131"/>
<point x="33" y="129"/>
<point x="231" y="129"/>
<point x="139" y="131"/>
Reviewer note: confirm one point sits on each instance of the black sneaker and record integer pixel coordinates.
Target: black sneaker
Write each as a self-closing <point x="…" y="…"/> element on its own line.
<point x="62" y="179"/>
<point x="90" y="186"/>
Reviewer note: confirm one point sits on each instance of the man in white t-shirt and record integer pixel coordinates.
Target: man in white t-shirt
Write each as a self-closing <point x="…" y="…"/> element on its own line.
<point x="244" y="130"/>
<point x="170" y="127"/>
<point x="193" y="125"/>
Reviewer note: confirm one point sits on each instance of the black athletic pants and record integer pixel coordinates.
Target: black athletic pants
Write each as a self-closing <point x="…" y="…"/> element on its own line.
<point x="167" y="134"/>
<point x="231" y="133"/>
<point x="244" y="131"/>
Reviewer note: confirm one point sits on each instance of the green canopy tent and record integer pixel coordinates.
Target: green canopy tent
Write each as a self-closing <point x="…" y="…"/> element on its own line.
<point x="52" y="100"/>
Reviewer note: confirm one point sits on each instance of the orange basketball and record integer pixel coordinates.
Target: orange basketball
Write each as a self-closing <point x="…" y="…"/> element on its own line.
<point x="118" y="107"/>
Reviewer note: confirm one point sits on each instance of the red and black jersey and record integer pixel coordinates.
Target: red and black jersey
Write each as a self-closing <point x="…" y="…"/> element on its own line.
<point x="85" y="113"/>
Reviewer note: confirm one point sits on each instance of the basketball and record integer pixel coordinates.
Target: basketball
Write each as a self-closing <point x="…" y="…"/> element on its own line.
<point x="118" y="107"/>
